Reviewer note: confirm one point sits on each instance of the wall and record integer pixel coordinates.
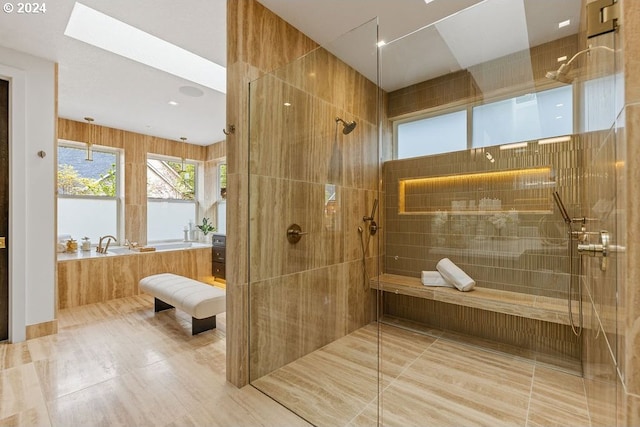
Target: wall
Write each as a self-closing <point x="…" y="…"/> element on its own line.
<point x="518" y="72"/>
<point x="520" y="246"/>
<point x="304" y="170"/>
<point x="628" y="151"/>
<point x="249" y="24"/>
<point x="135" y="147"/>
<point x="32" y="219"/>
<point x="612" y="337"/>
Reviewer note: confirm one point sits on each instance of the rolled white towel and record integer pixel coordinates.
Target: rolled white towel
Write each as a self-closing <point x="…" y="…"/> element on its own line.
<point x="434" y="278"/>
<point x="454" y="275"/>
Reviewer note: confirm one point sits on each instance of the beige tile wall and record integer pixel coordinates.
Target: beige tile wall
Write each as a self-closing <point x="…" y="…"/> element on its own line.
<point x="296" y="155"/>
<point x="520" y="247"/>
<point x="306" y="295"/>
<point x="629" y="287"/>
<point x="248" y="25"/>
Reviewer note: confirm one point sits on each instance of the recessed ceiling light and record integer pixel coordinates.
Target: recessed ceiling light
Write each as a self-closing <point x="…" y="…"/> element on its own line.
<point x="287" y="104"/>
<point x="562" y="58"/>
<point x="174" y="103"/>
<point x="428" y="1"/>
<point x="564" y="23"/>
<point x="100" y="30"/>
<point x="558" y="117"/>
<point x="559" y="105"/>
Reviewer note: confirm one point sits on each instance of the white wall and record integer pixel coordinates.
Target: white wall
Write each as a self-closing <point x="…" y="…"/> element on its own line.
<point x="32" y="194"/>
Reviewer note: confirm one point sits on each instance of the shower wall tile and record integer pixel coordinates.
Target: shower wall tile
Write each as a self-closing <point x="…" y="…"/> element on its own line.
<point x="630" y="32"/>
<point x="599" y="373"/>
<point x="529" y="335"/>
<point x="249" y="24"/>
<point x="491" y="78"/>
<point x="359" y="298"/>
<point x="621" y="238"/>
<point x="294" y="315"/>
<point x="631" y="304"/>
<point x="358" y="203"/>
<point x="303" y="170"/>
<point x="520" y="250"/>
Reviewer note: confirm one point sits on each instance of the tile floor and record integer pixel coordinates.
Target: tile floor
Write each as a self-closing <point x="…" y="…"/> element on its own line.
<point x="119" y="364"/>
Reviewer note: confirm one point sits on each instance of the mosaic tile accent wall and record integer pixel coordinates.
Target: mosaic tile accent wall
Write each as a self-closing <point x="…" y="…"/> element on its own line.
<point x="496" y="220"/>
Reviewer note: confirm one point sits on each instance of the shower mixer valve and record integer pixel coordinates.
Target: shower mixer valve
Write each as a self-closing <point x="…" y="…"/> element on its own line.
<point x="594" y="249"/>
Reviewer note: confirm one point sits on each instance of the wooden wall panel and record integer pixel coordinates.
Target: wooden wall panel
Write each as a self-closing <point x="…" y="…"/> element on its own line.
<point x="88" y="281"/>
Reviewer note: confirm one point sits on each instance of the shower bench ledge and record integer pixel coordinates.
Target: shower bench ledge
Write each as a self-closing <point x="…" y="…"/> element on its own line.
<point x="547" y="309"/>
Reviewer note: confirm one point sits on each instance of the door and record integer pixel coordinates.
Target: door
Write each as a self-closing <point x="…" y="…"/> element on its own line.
<point x="4" y="208"/>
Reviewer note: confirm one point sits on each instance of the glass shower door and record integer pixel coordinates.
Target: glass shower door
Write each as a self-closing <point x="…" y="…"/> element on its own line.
<point x="314" y="174"/>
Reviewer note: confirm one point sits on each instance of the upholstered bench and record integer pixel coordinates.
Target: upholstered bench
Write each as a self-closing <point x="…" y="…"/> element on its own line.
<point x="198" y="299"/>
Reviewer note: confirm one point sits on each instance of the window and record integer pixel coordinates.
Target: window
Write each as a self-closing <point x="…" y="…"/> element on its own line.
<point x="171" y="199"/>
<point x="528" y="117"/>
<point x="524" y="118"/>
<point x="432" y="135"/>
<point x="88" y="191"/>
<point x="222" y="180"/>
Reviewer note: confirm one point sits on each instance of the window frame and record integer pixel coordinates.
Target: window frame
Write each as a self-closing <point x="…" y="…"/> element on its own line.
<point x="197" y="190"/>
<point x="469" y="107"/>
<point x="119" y="193"/>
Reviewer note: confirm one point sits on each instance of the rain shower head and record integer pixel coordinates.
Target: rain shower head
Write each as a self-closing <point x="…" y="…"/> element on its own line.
<point x="347" y="127"/>
<point x="562" y="73"/>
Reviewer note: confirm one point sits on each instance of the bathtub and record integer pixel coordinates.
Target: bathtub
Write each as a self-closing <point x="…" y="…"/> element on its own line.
<point x="124" y="250"/>
<point x="87" y="277"/>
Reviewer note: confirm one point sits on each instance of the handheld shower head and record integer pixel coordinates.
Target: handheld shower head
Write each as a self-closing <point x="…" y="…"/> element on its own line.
<point x="347" y="127"/>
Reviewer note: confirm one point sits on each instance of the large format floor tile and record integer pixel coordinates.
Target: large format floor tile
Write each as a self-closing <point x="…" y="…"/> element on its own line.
<point x="121" y="364"/>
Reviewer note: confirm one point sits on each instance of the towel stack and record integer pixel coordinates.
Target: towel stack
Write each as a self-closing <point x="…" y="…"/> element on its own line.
<point x="434" y="278"/>
<point x="448" y="274"/>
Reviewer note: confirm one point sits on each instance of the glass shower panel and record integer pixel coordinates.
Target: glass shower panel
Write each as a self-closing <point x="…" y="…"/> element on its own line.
<point x="489" y="209"/>
<point x="313" y="174"/>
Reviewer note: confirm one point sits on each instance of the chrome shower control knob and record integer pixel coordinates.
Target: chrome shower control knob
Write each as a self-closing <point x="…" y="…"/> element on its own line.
<point x="295" y="233"/>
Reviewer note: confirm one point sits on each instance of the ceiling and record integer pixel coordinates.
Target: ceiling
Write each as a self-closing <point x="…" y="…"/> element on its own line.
<point x="120" y="93"/>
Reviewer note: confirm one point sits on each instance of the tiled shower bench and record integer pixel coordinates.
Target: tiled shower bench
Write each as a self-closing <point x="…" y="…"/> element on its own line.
<point x="547" y="309"/>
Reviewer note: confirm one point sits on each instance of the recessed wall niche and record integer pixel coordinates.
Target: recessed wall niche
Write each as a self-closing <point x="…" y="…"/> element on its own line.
<point x="522" y="190"/>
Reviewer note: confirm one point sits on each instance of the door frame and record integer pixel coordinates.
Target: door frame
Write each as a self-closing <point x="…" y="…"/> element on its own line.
<point x="17" y="202"/>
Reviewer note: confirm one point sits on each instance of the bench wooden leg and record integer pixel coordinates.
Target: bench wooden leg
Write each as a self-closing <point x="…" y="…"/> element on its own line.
<point x="201" y="325"/>
<point x="159" y="305"/>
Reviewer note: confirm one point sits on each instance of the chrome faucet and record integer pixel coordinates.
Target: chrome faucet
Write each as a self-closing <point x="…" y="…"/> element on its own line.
<point x="102" y="250"/>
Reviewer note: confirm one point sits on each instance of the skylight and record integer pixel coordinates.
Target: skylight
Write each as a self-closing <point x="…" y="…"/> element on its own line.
<point x="100" y="30"/>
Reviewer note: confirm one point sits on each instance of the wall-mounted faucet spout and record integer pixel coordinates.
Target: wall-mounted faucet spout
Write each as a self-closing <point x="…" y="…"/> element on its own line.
<point x="102" y="250"/>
